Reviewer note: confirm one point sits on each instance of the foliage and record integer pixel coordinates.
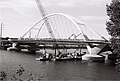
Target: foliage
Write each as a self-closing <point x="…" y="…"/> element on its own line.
<point x="4" y="76"/>
<point x="113" y="25"/>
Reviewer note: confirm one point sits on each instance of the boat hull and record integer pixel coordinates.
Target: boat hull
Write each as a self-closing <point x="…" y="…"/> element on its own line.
<point x="43" y="59"/>
<point x="94" y="58"/>
<point x="68" y="59"/>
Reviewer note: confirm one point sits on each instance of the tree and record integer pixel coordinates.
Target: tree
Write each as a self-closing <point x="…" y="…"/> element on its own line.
<point x="113" y="25"/>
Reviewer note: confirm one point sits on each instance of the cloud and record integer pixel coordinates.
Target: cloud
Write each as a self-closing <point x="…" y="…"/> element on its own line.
<point x="20" y="7"/>
<point x="26" y="6"/>
<point x="93" y="17"/>
<point x="75" y="3"/>
<point x="17" y="3"/>
<point x="3" y="4"/>
<point x="28" y="13"/>
<point x="49" y="3"/>
<point x="64" y="4"/>
<point x="68" y="3"/>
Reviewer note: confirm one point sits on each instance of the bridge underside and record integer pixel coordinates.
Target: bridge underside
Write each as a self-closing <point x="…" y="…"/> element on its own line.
<point x="106" y="48"/>
<point x="50" y="46"/>
<point x="34" y="45"/>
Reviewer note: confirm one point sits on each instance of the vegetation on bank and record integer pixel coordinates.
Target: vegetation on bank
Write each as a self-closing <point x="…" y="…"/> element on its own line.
<point x="113" y="27"/>
<point x="4" y="76"/>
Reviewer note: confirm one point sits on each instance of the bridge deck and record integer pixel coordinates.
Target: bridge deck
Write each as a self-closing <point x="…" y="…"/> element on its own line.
<point x="60" y="41"/>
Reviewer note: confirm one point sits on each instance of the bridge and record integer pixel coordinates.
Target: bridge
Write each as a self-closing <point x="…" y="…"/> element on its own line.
<point x="68" y="33"/>
<point x="58" y="31"/>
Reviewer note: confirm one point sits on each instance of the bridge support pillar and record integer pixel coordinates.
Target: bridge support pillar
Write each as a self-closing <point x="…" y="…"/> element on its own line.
<point x="32" y="49"/>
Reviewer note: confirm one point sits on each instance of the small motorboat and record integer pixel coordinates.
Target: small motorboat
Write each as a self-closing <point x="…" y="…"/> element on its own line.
<point x="12" y="49"/>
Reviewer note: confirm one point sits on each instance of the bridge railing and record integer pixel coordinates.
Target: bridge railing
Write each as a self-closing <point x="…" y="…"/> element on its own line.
<point x="23" y="39"/>
<point x="48" y="39"/>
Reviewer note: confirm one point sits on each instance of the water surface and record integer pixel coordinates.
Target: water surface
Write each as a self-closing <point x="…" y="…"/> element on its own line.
<point x="51" y="70"/>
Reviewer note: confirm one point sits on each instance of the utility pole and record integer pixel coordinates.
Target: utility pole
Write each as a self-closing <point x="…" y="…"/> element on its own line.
<point x="1" y="26"/>
<point x="1" y="30"/>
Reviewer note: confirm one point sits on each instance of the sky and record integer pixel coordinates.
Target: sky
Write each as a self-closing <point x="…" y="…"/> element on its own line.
<point x="18" y="16"/>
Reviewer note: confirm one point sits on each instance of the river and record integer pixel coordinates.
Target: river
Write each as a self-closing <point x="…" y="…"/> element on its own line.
<point x="57" y="71"/>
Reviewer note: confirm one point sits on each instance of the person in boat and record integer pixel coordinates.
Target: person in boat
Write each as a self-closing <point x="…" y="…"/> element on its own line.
<point x="59" y="53"/>
<point x="47" y="55"/>
<point x="44" y="54"/>
<point x="75" y="54"/>
<point x="50" y="56"/>
<point x="44" y="51"/>
<point x="69" y="55"/>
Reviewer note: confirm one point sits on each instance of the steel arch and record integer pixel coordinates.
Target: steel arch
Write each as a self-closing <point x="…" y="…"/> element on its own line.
<point x="75" y="21"/>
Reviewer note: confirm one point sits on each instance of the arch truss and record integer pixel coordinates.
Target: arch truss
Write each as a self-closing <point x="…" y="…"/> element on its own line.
<point x="63" y="27"/>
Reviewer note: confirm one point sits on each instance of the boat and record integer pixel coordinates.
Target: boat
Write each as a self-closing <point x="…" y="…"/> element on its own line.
<point x="45" y="57"/>
<point x="12" y="49"/>
<point x="94" y="58"/>
<point x="66" y="57"/>
<point x="42" y="59"/>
